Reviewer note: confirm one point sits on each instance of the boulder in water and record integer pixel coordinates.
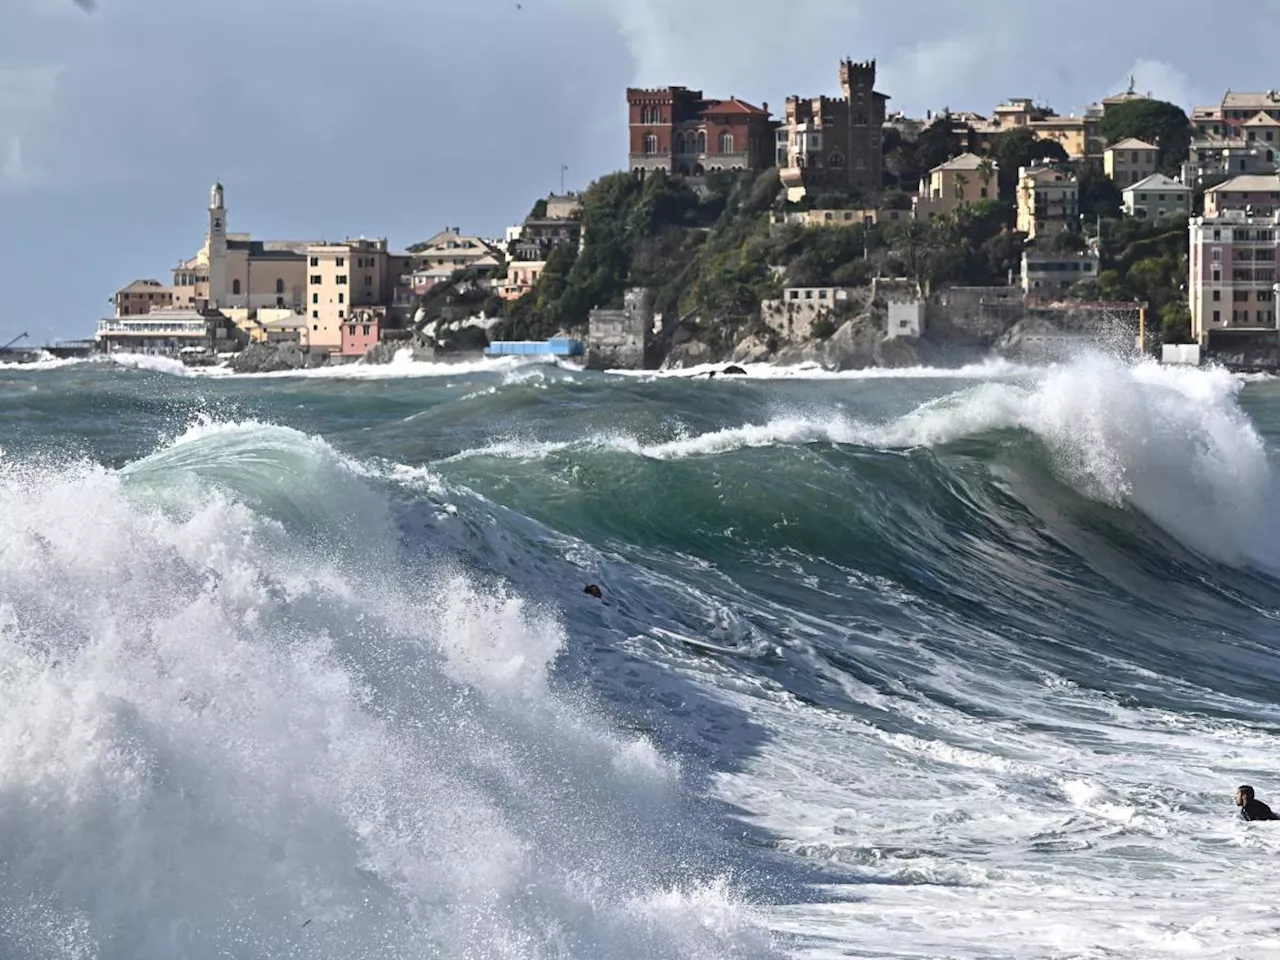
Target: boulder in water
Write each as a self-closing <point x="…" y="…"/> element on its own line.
<point x="274" y="358"/>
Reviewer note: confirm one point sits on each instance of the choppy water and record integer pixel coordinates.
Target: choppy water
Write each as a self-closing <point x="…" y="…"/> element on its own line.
<point x="302" y="666"/>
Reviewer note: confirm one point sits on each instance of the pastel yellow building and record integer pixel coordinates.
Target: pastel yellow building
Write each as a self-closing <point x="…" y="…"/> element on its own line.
<point x="233" y="271"/>
<point x="1130" y="161"/>
<point x="961" y="181"/>
<point x="1048" y="202"/>
<point x="342" y="277"/>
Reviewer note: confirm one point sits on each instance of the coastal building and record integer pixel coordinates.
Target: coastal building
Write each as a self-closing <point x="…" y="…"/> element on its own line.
<point x="961" y="181"/>
<point x="522" y="276"/>
<point x="1110" y="103"/>
<point x="1157" y="197"/>
<point x="1129" y="161"/>
<point x="438" y="258"/>
<point x="1050" y="274"/>
<point x="1232" y="266"/>
<point x="1048" y="201"/>
<point x="141" y="297"/>
<point x="905" y="308"/>
<point x="234" y="271"/>
<point x="1256" y="194"/>
<point x="623" y="339"/>
<point x="1077" y="134"/>
<point x="682" y="133"/>
<point x="835" y="143"/>
<point x="343" y="277"/>
<point x="1211" y="157"/>
<point x="1240" y="114"/>
<point x="167" y="331"/>
<point x="564" y="207"/>
<point x="793" y="316"/>
<point x="868" y="216"/>
<point x="360" y="331"/>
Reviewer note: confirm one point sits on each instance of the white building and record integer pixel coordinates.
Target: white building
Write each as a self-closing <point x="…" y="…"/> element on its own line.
<point x="1157" y="197"/>
<point x="1050" y="274"/>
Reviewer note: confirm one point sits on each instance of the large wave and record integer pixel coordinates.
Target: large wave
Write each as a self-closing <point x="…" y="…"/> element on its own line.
<point x="228" y="733"/>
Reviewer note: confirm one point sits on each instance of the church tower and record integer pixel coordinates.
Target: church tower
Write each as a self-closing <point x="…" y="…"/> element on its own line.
<point x="217" y="241"/>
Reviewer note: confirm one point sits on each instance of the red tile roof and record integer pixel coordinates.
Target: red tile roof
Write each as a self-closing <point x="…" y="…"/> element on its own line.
<point x="733" y="105"/>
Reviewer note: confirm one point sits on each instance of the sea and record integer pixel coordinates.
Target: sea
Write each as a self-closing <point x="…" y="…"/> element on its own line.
<point x="886" y="664"/>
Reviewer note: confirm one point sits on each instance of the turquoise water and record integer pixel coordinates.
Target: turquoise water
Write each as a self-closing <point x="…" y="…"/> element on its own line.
<point x="935" y="663"/>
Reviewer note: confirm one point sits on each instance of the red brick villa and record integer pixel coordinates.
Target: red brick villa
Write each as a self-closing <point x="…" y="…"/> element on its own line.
<point x="680" y="131"/>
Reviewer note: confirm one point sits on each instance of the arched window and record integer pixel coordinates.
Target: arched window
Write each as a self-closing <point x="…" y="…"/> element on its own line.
<point x="279" y="286"/>
<point x="235" y="288"/>
<point x="650" y="144"/>
<point x="679" y="147"/>
<point x="836" y="162"/>
<point x="702" y="141"/>
<point x="726" y="143"/>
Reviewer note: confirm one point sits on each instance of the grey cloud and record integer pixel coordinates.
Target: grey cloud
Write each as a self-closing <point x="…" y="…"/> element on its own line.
<point x="397" y="117"/>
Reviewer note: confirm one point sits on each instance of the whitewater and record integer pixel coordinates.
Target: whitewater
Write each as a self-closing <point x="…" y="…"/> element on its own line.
<point x="906" y="664"/>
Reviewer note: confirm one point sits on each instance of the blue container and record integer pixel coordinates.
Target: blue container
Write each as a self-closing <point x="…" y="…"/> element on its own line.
<point x="558" y="347"/>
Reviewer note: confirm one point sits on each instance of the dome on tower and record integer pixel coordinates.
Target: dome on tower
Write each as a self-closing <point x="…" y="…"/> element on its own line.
<point x="215" y="196"/>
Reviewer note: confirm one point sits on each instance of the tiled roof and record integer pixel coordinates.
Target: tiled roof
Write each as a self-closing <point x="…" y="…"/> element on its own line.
<point x="733" y="105"/>
<point x="1254" y="101"/>
<point x="144" y="286"/>
<point x="1132" y="143"/>
<point x="1250" y="183"/>
<point x="1158" y="181"/>
<point x="966" y="161"/>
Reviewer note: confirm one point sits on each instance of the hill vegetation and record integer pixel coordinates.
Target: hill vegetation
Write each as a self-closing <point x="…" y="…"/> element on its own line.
<point x="710" y="257"/>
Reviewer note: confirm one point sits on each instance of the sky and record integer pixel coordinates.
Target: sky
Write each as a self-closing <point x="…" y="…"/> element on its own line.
<point x="396" y="118"/>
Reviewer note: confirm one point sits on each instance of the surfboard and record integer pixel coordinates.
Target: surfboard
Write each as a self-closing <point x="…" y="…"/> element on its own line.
<point x="699" y="644"/>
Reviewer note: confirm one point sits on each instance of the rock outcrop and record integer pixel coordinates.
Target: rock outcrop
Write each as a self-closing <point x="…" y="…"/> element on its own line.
<point x="275" y="358"/>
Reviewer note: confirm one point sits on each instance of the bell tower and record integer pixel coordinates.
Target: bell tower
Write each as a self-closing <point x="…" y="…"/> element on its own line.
<point x="217" y="243"/>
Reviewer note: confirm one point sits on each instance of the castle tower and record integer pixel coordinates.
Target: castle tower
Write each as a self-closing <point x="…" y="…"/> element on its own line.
<point x="857" y="78"/>
<point x="217" y="243"/>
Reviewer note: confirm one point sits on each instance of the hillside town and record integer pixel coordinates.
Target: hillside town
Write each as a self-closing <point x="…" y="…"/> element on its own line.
<point x="1061" y="192"/>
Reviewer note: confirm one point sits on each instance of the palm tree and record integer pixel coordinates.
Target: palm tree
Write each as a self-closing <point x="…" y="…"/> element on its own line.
<point x="986" y="172"/>
<point x="961" y="182"/>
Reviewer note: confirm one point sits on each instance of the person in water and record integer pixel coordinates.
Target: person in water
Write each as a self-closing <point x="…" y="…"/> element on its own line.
<point x="1252" y="808"/>
<point x="594" y="591"/>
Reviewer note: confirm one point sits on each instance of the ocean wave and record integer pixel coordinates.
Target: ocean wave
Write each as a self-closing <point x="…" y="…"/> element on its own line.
<point x="992" y="369"/>
<point x="223" y="734"/>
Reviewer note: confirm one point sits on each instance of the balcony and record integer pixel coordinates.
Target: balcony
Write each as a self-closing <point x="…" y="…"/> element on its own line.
<point x="143" y="327"/>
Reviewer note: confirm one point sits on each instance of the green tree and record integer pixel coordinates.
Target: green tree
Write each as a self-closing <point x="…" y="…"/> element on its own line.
<point x="1175" y="323"/>
<point x="1164" y="124"/>
<point x="1021" y="147"/>
<point x="1099" y="195"/>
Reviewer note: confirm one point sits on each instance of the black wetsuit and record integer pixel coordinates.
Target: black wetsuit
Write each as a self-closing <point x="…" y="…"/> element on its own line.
<point x="1256" y="810"/>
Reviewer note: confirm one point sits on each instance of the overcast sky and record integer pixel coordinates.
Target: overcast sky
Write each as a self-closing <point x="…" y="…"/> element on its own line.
<point x="328" y="119"/>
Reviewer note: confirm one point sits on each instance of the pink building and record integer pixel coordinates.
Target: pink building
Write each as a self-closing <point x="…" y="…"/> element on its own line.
<point x="360" y="333"/>
<point x="1232" y="283"/>
<point x="1258" y="194"/>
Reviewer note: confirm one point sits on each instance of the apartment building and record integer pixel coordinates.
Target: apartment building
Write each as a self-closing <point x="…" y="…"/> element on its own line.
<point x="1048" y="201"/>
<point x="1129" y="161"/>
<point x="961" y="181"/>
<point x="141" y="297"/>
<point x="1157" y="197"/>
<point x="1232" y="266"/>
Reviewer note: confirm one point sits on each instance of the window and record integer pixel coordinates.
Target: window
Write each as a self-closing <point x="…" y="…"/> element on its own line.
<point x="726" y="143"/>
<point x="342" y="298"/>
<point x="1217" y="234"/>
<point x="1217" y="255"/>
<point x="1217" y="296"/>
<point x="315" y="315"/>
<point x="822" y="294"/>
<point x="808" y="294"/>
<point x="341" y="314"/>
<point x="368" y="280"/>
<point x="316" y="279"/>
<point x="279" y="286"/>
<point x="795" y="294"/>
<point x="315" y="298"/>
<point x="235" y="288"/>
<point x="1217" y="316"/>
<point x="366" y="329"/>
<point x="341" y="262"/>
<point x="341" y="279"/>
<point x="1240" y="296"/>
<point x="836" y="162"/>
<point x="650" y="144"/>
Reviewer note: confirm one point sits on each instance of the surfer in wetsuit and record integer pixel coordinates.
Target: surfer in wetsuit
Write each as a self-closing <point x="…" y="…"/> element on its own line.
<point x="1250" y="807"/>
